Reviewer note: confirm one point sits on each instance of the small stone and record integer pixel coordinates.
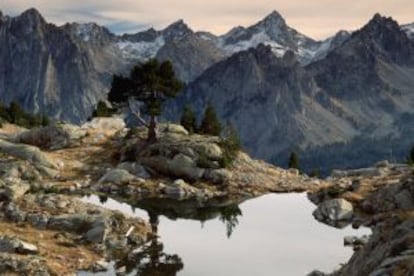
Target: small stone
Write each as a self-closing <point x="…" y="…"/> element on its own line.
<point x="97" y="233"/>
<point x="27" y="248"/>
<point x="121" y="271"/>
<point x="100" y="266"/>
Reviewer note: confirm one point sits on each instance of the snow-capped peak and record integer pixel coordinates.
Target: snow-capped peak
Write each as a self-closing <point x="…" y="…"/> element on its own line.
<point x="272" y="31"/>
<point x="142" y="50"/>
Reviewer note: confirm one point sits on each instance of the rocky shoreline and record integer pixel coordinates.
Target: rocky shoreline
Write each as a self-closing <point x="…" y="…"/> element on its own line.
<point x="46" y="229"/>
<point x="45" y="171"/>
<point x="381" y="198"/>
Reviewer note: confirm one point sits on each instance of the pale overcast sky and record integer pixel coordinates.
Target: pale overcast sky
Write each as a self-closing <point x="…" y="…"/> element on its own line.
<point x="317" y="18"/>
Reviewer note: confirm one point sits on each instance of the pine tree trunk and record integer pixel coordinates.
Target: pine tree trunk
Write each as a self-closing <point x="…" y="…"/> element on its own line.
<point x="152" y="130"/>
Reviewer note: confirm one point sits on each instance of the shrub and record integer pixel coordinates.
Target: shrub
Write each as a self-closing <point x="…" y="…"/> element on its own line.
<point x="102" y="110"/>
<point x="16" y="115"/>
<point x="315" y="173"/>
<point x="410" y="158"/>
<point x="231" y="145"/>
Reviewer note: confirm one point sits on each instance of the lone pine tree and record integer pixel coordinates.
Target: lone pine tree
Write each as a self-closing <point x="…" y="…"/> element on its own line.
<point x="150" y="83"/>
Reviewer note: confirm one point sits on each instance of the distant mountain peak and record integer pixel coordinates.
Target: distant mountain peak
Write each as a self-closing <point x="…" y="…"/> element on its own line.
<point x="31" y="19"/>
<point x="379" y="21"/>
<point x="176" y="30"/>
<point x="32" y="13"/>
<point x="274" y="16"/>
<point x="273" y="20"/>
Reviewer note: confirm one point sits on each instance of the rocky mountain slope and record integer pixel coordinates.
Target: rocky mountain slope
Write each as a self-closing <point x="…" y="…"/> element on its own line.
<point x="381" y="198"/>
<point x="43" y="63"/>
<point x="359" y="97"/>
<point x="351" y="91"/>
<point x="49" y="70"/>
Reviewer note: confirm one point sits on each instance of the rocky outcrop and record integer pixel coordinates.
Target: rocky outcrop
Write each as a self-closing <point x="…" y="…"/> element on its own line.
<point x="334" y="211"/>
<point x="32" y="154"/>
<point x="178" y="155"/>
<point x="26" y="266"/>
<point x="53" y="137"/>
<point x="12" y="245"/>
<point x="135" y="169"/>
<point x="315" y="106"/>
<point x="117" y="176"/>
<point x="385" y="203"/>
<point x="113" y="124"/>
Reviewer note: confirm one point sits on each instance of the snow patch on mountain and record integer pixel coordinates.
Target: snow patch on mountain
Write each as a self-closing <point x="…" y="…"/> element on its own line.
<point x="84" y="31"/>
<point x="140" y="50"/>
<point x="255" y="40"/>
<point x="304" y="53"/>
<point x="409" y="30"/>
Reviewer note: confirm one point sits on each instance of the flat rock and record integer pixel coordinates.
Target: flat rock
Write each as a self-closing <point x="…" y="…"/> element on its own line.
<point x="30" y="153"/>
<point x="117" y="176"/>
<point x="108" y="123"/>
<point x="135" y="169"/>
<point x="53" y="137"/>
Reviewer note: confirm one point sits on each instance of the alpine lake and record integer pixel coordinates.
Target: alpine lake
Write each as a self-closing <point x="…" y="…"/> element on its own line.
<point x="274" y="234"/>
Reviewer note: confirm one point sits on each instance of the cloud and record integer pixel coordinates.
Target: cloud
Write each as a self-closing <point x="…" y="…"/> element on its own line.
<point x="317" y="18"/>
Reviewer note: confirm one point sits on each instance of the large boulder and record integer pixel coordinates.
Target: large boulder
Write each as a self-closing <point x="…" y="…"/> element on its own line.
<point x="210" y="150"/>
<point x="179" y="189"/>
<point x="11" y="264"/>
<point x="93" y="228"/>
<point x="76" y="223"/>
<point x="218" y="176"/>
<point x="135" y="169"/>
<point x="30" y="153"/>
<point x="13" y="245"/>
<point x="334" y="211"/>
<point x="173" y="128"/>
<point x="181" y="166"/>
<point x="98" y="231"/>
<point x="107" y="123"/>
<point x="14" y="190"/>
<point x="117" y="176"/>
<point x="52" y="137"/>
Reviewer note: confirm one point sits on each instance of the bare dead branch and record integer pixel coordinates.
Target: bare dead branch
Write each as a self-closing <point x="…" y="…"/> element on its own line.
<point x="137" y="113"/>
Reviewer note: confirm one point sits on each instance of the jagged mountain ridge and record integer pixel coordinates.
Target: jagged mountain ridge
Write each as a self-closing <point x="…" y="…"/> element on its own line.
<point x="75" y="61"/>
<point x="360" y="96"/>
<point x="41" y="65"/>
<point x="355" y="83"/>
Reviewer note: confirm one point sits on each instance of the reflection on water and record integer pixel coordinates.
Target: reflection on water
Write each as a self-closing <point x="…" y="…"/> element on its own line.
<point x="276" y="235"/>
<point x="228" y="215"/>
<point x="150" y="260"/>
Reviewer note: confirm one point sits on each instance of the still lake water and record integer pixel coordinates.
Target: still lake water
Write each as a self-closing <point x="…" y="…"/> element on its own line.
<point x="274" y="234"/>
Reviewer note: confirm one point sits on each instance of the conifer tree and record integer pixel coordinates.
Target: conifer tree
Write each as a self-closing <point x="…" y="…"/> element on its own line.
<point x="149" y="83"/>
<point x="188" y="119"/>
<point x="16" y="113"/>
<point x="210" y="124"/>
<point x="293" y="161"/>
<point x="102" y="110"/>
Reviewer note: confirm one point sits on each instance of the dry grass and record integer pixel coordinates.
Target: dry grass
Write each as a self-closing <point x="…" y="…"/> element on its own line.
<point x="62" y="255"/>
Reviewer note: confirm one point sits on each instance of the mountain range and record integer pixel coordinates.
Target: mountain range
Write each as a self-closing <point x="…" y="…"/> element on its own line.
<point x="342" y="102"/>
